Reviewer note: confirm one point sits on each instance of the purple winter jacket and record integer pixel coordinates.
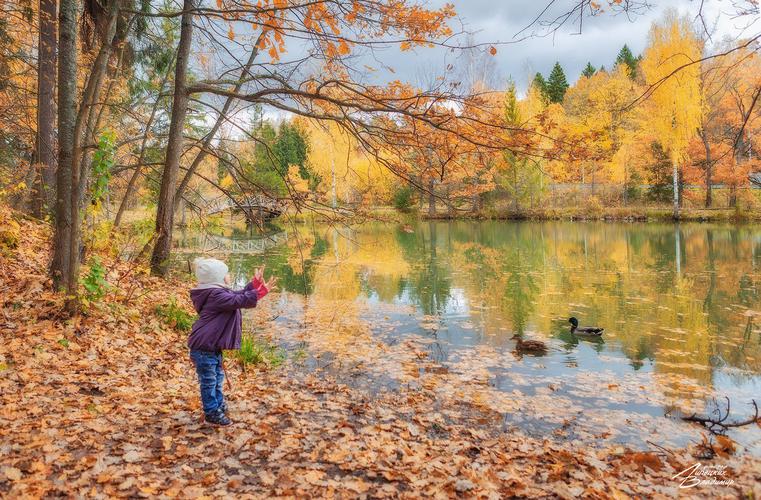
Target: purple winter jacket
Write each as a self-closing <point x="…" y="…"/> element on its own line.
<point x="218" y="325"/>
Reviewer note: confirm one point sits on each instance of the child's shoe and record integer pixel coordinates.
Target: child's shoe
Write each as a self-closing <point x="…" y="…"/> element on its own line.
<point x="218" y="418"/>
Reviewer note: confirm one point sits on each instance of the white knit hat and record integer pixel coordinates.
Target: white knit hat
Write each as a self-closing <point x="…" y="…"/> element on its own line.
<point x="210" y="271"/>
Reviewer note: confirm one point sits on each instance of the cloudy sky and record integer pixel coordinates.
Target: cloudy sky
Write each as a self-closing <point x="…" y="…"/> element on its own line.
<point x="522" y="55"/>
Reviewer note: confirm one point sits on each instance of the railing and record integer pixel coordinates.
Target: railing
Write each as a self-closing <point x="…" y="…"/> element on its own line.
<point x="251" y="205"/>
<point x="220" y="244"/>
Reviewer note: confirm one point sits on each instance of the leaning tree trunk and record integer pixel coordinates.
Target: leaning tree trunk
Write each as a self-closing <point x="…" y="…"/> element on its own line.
<point x="132" y="184"/>
<point x="165" y="208"/>
<point x="206" y="144"/>
<point x="46" y="77"/>
<point x="80" y="162"/>
<point x="67" y="115"/>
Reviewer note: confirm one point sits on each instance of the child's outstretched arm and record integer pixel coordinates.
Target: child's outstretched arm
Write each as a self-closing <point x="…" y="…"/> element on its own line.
<point x="227" y="300"/>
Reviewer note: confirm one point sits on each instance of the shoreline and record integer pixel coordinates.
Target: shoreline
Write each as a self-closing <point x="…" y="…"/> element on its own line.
<point x="610" y="215"/>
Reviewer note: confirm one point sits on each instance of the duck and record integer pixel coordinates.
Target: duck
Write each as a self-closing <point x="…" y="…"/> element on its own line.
<point x="529" y="346"/>
<point x="584" y="330"/>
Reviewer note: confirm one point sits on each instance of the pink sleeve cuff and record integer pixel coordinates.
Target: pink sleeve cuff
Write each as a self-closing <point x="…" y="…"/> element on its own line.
<point x="261" y="291"/>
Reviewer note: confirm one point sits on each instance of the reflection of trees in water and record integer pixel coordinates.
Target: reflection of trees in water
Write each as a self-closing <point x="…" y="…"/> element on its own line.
<point x="527" y="275"/>
<point x="278" y="264"/>
<point x="428" y="283"/>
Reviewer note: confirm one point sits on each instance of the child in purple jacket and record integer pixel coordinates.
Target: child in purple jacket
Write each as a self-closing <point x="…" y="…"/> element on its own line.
<point x="218" y="328"/>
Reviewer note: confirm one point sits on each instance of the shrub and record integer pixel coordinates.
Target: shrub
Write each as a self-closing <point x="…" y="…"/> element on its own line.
<point x="175" y="316"/>
<point x="402" y="199"/>
<point x="255" y="351"/>
<point x="593" y="207"/>
<point x="94" y="282"/>
<point x="10" y="231"/>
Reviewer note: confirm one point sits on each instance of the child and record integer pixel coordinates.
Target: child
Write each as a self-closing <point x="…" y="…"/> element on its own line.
<point x="218" y="327"/>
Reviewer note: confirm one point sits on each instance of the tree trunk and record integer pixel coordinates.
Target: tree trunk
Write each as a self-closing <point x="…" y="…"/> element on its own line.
<point x="431" y="198"/>
<point x="45" y="154"/>
<point x="165" y="208"/>
<point x="72" y="177"/>
<point x="80" y="165"/>
<point x="709" y="170"/>
<point x="132" y="184"/>
<point x="220" y="119"/>
<point x="676" y="189"/>
<point x="67" y="94"/>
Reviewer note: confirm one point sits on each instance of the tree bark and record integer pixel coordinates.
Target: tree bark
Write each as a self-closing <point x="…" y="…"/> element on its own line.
<point x="165" y="209"/>
<point x="45" y="155"/>
<point x="431" y="198"/>
<point x="72" y="177"/>
<point x="676" y="189"/>
<point x="67" y="94"/>
<point x="83" y="128"/>
<point x="708" y="170"/>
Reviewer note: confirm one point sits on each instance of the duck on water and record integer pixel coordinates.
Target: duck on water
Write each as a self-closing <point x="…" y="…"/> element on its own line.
<point x="584" y="330"/>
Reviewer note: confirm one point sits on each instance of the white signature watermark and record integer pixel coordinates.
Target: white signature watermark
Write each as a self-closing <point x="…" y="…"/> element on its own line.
<point x="703" y="475"/>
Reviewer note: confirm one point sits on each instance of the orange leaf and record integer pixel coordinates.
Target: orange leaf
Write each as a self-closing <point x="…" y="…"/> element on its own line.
<point x="493" y="50"/>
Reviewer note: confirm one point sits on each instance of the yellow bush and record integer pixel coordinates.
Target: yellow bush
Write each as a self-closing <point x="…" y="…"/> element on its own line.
<point x="9" y="230"/>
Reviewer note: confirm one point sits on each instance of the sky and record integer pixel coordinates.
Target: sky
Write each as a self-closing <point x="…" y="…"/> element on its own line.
<point x="522" y="52"/>
<point x="521" y="56"/>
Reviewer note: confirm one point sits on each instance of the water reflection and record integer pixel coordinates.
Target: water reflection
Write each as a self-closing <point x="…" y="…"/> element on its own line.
<point x="678" y="302"/>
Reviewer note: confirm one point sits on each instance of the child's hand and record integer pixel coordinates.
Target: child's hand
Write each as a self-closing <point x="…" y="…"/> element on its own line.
<point x="259" y="274"/>
<point x="270" y="284"/>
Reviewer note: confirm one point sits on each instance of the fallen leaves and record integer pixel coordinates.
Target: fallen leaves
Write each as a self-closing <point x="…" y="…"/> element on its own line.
<point x="119" y="416"/>
<point x="12" y="473"/>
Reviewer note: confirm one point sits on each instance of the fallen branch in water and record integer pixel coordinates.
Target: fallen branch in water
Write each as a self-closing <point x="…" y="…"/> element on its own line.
<point x="720" y="425"/>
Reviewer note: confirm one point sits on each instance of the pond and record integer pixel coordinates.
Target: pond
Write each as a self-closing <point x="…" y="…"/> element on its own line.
<point x="435" y="306"/>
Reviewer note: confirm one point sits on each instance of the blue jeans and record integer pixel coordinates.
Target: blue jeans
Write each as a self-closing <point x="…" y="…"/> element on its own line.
<point x="210" y="378"/>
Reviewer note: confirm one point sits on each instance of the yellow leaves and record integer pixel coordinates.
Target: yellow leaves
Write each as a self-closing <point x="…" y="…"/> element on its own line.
<point x="166" y="442"/>
<point x="10" y="230"/>
<point x="12" y="473"/>
<point x="298" y="183"/>
<point x="676" y="103"/>
<point x="227" y="181"/>
<point x="404" y="46"/>
<point x="230" y="32"/>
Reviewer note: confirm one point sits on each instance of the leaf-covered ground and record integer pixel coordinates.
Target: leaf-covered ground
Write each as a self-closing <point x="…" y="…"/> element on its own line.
<point x="106" y="404"/>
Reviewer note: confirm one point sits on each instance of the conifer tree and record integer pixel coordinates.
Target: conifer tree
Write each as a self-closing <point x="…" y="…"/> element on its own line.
<point x="540" y="84"/>
<point x="589" y="70"/>
<point x="556" y="84"/>
<point x="626" y="57"/>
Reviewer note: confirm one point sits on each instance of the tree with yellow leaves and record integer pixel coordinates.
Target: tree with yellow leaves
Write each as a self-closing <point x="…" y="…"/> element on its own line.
<point x="671" y="66"/>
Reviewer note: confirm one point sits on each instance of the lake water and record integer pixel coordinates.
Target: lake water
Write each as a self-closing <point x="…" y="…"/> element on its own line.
<point x="435" y="305"/>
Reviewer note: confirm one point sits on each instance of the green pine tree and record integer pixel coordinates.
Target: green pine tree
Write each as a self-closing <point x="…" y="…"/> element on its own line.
<point x="626" y="57"/>
<point x="589" y="70"/>
<point x="516" y="175"/>
<point x="556" y="84"/>
<point x="541" y="85"/>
